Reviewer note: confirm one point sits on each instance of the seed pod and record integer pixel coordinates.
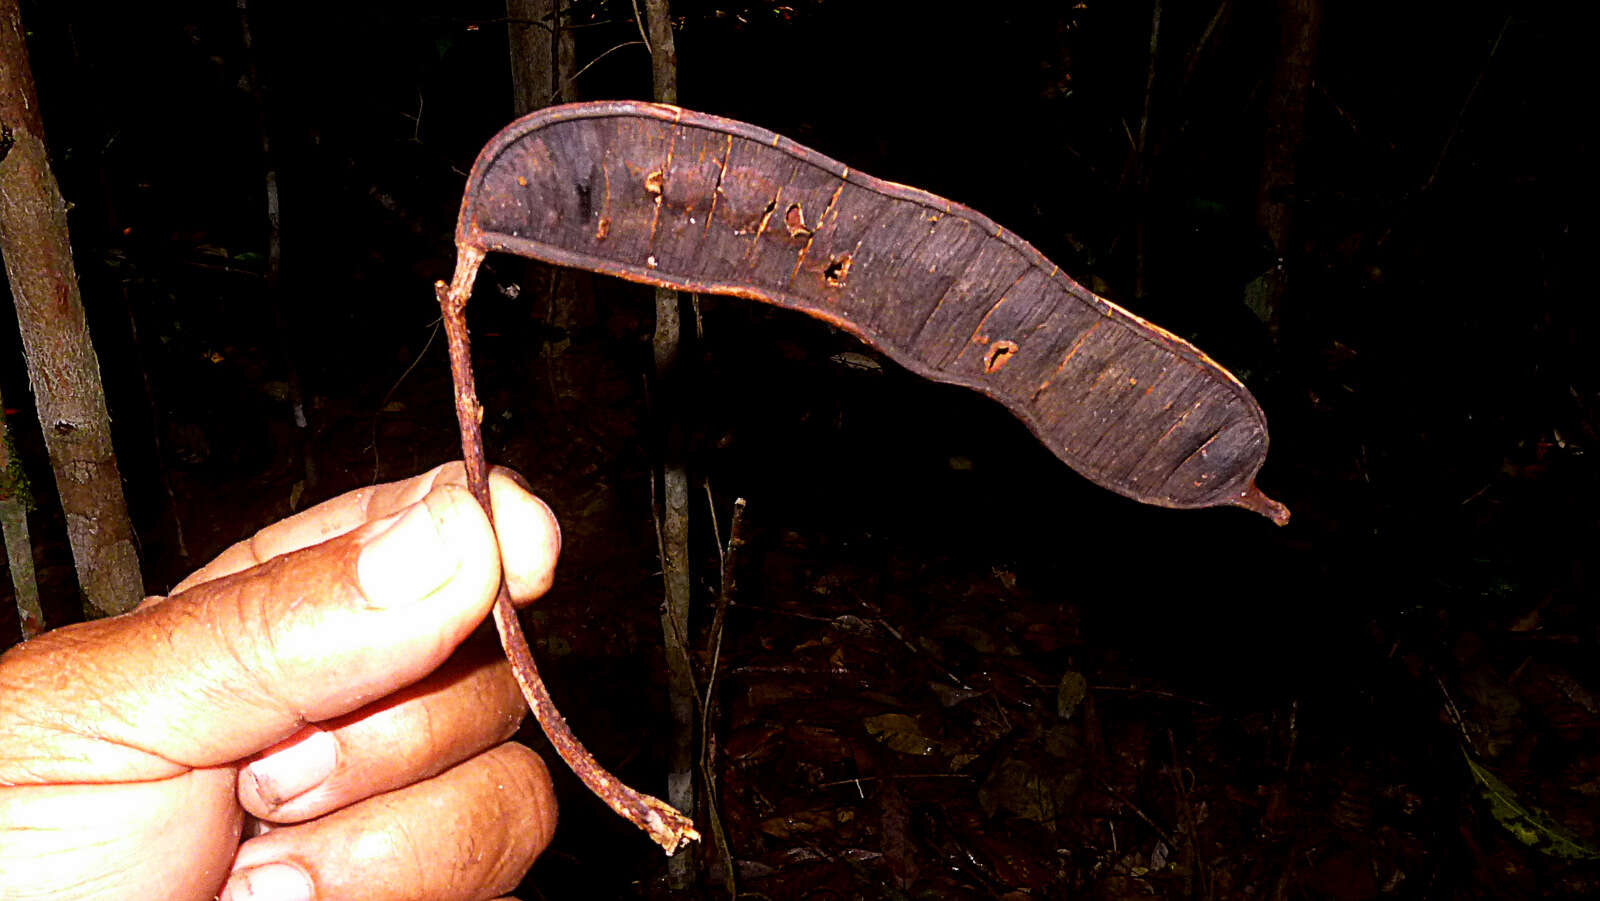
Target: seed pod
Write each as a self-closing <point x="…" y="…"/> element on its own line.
<point x="684" y="200"/>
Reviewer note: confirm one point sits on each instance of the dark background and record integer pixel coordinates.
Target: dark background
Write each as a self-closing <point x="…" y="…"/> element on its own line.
<point x="1284" y="711"/>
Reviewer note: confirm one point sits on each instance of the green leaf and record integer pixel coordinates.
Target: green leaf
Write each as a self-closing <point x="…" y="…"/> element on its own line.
<point x="1528" y="824"/>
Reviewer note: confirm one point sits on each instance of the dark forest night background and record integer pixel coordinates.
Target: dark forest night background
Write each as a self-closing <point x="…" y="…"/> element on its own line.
<point x="1428" y="380"/>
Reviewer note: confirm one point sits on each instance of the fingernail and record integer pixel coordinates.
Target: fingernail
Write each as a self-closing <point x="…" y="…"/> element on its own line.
<point x="407" y="562"/>
<point x="293" y="770"/>
<point x="270" y="882"/>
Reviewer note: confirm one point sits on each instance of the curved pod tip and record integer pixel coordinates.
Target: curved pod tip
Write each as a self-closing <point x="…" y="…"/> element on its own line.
<point x="1253" y="500"/>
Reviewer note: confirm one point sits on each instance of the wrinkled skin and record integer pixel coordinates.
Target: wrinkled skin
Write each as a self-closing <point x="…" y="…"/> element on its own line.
<point x="307" y="716"/>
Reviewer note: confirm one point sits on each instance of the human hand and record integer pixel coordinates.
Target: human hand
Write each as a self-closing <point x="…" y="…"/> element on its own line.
<point x="308" y="677"/>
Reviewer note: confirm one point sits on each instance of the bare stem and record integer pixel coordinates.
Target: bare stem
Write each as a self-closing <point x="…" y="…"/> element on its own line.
<point x="666" y="826"/>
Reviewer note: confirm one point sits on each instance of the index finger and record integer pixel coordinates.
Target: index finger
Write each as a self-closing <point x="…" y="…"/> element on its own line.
<point x="516" y="511"/>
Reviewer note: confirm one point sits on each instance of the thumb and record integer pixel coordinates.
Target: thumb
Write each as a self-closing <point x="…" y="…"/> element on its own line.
<point x="230" y="666"/>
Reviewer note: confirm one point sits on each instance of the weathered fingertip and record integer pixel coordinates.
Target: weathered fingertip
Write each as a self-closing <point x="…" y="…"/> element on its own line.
<point x="530" y="537"/>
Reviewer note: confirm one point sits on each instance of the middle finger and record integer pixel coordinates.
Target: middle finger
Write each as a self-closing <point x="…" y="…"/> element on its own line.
<point x="469" y="704"/>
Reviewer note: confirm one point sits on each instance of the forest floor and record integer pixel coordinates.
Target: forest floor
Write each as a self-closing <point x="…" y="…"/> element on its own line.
<point x="953" y="669"/>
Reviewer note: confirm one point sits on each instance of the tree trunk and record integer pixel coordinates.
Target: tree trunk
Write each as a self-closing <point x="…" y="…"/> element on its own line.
<point x="282" y="336"/>
<point x="62" y="367"/>
<point x="542" y="67"/>
<point x="1301" y="23"/>
<point x="15" y="501"/>
<point x="674" y="483"/>
<point x="566" y="57"/>
<point x="1141" y="154"/>
<point x="663" y="52"/>
<point x="542" y="54"/>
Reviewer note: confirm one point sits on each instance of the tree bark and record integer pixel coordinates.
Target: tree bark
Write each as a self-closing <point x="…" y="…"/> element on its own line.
<point x="663" y="52"/>
<point x="15" y="501"/>
<point x="542" y="71"/>
<point x="62" y="367"/>
<point x="1141" y="154"/>
<point x="1300" y="26"/>
<point x="566" y="57"/>
<point x="306" y="460"/>
<point x="542" y="54"/>
<point x="674" y="483"/>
